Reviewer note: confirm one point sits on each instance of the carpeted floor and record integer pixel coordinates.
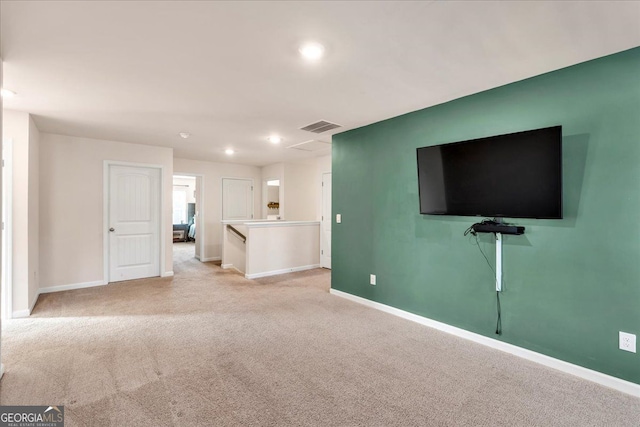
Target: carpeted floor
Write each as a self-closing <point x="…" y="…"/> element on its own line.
<point x="210" y="348"/>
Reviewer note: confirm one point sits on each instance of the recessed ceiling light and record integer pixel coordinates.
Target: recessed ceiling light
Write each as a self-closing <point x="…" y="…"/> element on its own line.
<point x="229" y="151"/>
<point x="274" y="139"/>
<point x="184" y="135"/>
<point x="6" y="93"/>
<point x="311" y="51"/>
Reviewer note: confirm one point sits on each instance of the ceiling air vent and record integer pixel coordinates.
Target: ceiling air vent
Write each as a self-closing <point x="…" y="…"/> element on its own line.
<point x="321" y="126"/>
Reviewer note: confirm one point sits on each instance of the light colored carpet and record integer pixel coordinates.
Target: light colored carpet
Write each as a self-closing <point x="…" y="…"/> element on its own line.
<point x="210" y="348"/>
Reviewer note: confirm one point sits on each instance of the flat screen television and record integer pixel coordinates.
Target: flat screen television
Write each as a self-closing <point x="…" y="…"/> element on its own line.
<point x="518" y="175"/>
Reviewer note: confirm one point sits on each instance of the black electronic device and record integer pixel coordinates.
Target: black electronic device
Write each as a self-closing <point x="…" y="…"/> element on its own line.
<point x="497" y="228"/>
<point x="518" y="175"/>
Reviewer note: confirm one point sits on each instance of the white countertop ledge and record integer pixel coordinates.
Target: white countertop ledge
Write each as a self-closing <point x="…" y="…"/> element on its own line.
<point x="273" y="223"/>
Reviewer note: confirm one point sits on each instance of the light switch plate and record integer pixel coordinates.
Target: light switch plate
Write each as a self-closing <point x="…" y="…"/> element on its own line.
<point x="338" y="218"/>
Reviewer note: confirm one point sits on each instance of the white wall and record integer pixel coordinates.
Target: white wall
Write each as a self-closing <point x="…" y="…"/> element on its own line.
<point x="274" y="249"/>
<point x="71" y="227"/>
<point x="1" y="254"/>
<point x="212" y="210"/>
<point x="34" y="212"/>
<point x="299" y="194"/>
<point x="20" y="128"/>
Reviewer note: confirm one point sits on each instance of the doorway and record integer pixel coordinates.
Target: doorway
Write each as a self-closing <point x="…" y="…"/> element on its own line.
<point x="188" y="218"/>
<point x="133" y="218"/>
<point x="271" y="205"/>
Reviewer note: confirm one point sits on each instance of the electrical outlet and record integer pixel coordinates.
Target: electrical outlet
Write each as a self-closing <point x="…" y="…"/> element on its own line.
<point x="627" y="342"/>
<point x="372" y="280"/>
<point x="338" y="218"/>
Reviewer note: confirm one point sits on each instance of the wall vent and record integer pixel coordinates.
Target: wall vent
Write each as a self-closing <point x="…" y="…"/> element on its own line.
<point x="321" y="126"/>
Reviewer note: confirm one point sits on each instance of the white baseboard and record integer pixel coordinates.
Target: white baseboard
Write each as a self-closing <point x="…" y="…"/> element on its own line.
<point x="20" y="314"/>
<point x="167" y="274"/>
<point x="579" y="371"/>
<point x="213" y="258"/>
<point x="33" y="303"/>
<point x="283" y="271"/>
<point x="231" y="266"/>
<point x="71" y="287"/>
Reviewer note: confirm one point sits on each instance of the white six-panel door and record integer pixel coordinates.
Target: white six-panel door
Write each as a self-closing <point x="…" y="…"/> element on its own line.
<point x="325" y="232"/>
<point x="237" y="199"/>
<point x="134" y="222"/>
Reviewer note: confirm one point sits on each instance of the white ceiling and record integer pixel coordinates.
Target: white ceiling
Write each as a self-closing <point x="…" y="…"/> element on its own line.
<point x="230" y="73"/>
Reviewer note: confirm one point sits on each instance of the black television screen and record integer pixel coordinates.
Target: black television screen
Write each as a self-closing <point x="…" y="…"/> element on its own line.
<point x="518" y="175"/>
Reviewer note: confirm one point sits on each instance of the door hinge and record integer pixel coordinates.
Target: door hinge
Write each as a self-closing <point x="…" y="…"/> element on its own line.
<point x="321" y="252"/>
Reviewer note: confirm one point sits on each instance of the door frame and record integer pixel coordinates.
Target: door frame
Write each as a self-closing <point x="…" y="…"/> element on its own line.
<point x="199" y="209"/>
<point x="322" y="174"/>
<point x="253" y="195"/>
<point x="7" y="247"/>
<point x="105" y="215"/>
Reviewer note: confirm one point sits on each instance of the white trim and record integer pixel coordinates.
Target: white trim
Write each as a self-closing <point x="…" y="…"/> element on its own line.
<point x="212" y="258"/>
<point x="33" y="303"/>
<point x="7" y="249"/>
<point x="280" y="223"/>
<point x="231" y="267"/>
<point x="569" y="368"/>
<point x="59" y="288"/>
<point x="20" y="314"/>
<point x="167" y="274"/>
<point x="1" y="369"/>
<point x="105" y="221"/>
<point x="323" y="259"/>
<point x="105" y="212"/>
<point x="283" y="271"/>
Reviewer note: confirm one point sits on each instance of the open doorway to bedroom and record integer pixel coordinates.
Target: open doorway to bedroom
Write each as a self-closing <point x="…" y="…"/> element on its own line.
<point x="187" y="219"/>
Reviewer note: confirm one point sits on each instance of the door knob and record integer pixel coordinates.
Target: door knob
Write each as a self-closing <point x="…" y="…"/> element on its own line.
<point x="112" y="229"/>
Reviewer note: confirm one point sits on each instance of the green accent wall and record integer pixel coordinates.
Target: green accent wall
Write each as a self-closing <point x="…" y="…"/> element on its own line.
<point x="570" y="284"/>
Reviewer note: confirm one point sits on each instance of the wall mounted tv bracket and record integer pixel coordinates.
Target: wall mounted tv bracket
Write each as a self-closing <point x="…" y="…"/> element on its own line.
<point x="499" y="228"/>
